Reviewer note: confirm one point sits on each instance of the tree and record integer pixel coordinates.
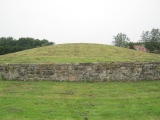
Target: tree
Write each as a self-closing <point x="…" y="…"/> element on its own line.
<point x="121" y="40"/>
<point x="10" y="45"/>
<point x="131" y="45"/>
<point x="151" y="40"/>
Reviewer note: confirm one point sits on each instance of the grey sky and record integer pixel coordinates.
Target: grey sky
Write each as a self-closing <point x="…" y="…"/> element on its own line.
<point x="81" y="21"/>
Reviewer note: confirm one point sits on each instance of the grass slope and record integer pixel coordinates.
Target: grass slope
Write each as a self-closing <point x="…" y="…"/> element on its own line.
<point x="78" y="52"/>
<point x="79" y="101"/>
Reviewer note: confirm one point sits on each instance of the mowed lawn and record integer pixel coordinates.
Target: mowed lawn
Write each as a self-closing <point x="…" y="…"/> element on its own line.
<point x="47" y="100"/>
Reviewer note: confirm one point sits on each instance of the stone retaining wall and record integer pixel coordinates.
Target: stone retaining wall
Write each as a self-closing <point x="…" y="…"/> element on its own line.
<point x="82" y="71"/>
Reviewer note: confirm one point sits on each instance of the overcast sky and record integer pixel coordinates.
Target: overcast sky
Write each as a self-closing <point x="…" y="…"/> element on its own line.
<point x="78" y="21"/>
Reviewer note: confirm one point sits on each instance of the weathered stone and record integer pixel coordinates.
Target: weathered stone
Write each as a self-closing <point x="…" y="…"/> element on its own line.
<point x="58" y="67"/>
<point x="73" y="78"/>
<point x="82" y="71"/>
<point x="81" y="68"/>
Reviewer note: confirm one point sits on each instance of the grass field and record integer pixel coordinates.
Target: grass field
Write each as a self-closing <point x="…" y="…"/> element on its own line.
<point x="79" y="53"/>
<point x="47" y="100"/>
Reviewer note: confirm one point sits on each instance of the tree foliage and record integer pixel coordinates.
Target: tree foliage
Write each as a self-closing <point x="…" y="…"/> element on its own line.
<point x="151" y="40"/>
<point x="131" y="45"/>
<point x="121" y="40"/>
<point x="10" y="45"/>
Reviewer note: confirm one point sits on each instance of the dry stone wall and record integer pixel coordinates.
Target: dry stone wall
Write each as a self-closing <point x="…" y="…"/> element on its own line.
<point x="82" y="71"/>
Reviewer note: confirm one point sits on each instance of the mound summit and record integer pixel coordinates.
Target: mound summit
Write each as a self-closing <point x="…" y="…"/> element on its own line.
<point x="78" y="53"/>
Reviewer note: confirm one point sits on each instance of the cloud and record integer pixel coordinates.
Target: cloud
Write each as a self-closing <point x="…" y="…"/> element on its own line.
<point x="64" y="21"/>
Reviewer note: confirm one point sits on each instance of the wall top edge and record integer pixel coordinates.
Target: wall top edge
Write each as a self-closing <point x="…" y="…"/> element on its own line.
<point x="80" y="63"/>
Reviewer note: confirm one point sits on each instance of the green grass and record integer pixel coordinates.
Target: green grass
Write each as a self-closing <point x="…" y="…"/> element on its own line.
<point x="47" y="100"/>
<point x="78" y="53"/>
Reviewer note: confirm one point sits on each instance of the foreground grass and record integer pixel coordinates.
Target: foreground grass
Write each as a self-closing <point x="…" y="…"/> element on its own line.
<point x="47" y="100"/>
<point x="79" y="53"/>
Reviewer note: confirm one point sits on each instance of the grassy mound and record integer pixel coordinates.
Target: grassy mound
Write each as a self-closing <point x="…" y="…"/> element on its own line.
<point x="79" y="53"/>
